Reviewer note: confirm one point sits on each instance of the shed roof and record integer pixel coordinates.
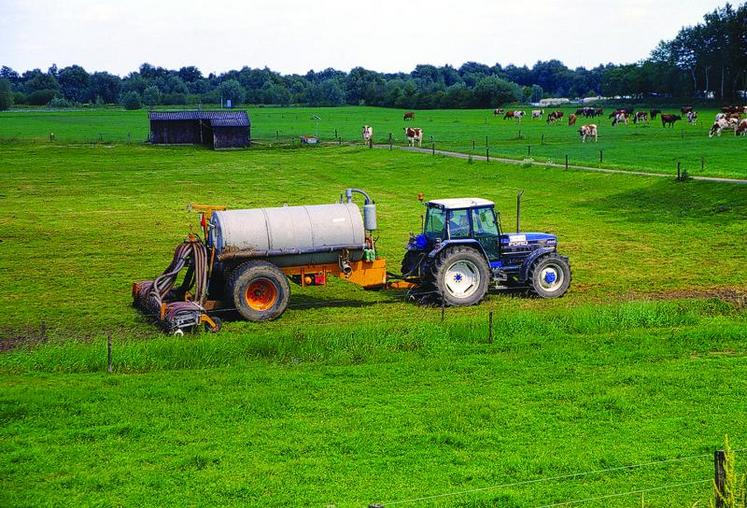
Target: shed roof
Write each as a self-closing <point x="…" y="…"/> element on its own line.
<point x="216" y="118"/>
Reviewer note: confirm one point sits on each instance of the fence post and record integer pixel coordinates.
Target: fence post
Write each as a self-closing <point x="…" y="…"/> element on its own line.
<point x="473" y="145"/>
<point x="487" y="154"/>
<point x="335" y="133"/>
<point x="566" y="162"/>
<point x="433" y="148"/>
<point x="486" y="141"/>
<point x="370" y="142"/>
<point x="109" y="353"/>
<point x="702" y="163"/>
<point x="529" y="150"/>
<point x="490" y="327"/>
<point x="679" y="175"/>
<point x="277" y="134"/>
<point x="719" y="473"/>
<point x="542" y="141"/>
<point x="601" y="156"/>
<point x="390" y="141"/>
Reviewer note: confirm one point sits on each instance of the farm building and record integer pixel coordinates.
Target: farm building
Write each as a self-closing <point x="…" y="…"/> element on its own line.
<point x="218" y="129"/>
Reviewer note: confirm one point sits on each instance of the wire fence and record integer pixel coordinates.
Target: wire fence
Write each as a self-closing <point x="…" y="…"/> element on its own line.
<point x="572" y="477"/>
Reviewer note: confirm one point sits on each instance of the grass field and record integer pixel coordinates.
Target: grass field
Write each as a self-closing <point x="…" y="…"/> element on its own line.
<point x="645" y="146"/>
<point x="354" y="397"/>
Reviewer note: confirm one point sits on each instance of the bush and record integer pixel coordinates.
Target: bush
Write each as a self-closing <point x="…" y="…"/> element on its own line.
<point x="41" y="97"/>
<point x="151" y="96"/>
<point x="130" y="100"/>
<point x="174" y="99"/>
<point x="19" y="98"/>
<point x="59" y="102"/>
<point x="6" y="97"/>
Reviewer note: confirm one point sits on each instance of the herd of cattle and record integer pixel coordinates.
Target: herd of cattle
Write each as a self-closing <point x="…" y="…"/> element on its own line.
<point x="730" y="118"/>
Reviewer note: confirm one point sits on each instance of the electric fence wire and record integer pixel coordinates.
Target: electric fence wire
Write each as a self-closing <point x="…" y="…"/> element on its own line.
<point x="565" y="477"/>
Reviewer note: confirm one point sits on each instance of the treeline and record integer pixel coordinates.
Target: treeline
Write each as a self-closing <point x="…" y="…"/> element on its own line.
<point x="708" y="60"/>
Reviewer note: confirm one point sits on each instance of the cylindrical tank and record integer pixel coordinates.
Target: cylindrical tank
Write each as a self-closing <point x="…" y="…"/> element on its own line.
<point x="289" y="235"/>
<point x="369" y="217"/>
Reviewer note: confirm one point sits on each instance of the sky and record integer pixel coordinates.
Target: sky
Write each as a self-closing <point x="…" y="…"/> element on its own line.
<point x="292" y="36"/>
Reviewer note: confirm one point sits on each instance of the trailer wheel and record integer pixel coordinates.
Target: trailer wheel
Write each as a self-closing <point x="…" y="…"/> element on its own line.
<point x="260" y="291"/>
<point x="549" y="276"/>
<point x="461" y="276"/>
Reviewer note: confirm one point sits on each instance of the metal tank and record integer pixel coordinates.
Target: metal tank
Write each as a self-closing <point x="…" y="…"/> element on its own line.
<point x="290" y="235"/>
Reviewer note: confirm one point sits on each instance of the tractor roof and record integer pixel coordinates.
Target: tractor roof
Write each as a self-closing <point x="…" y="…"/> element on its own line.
<point x="454" y="203"/>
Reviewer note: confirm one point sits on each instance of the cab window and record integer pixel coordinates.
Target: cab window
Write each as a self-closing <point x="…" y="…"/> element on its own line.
<point x="483" y="222"/>
<point x="435" y="221"/>
<point x="459" y="224"/>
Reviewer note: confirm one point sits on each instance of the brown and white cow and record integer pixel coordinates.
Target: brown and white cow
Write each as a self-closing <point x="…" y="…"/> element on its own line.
<point x="692" y="117"/>
<point x="640" y="116"/>
<point x="669" y="120"/>
<point x="572" y="120"/>
<point x="741" y="129"/>
<point x="537" y="113"/>
<point x="620" y="117"/>
<point x="554" y="116"/>
<point x="517" y="115"/>
<point x="414" y="135"/>
<point x="497" y="111"/>
<point x="719" y="126"/>
<point x="588" y="131"/>
<point x="409" y="115"/>
<point x="367" y="133"/>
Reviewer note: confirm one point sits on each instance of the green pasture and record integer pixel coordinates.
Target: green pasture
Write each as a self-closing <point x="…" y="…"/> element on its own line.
<point x="354" y="397"/>
<point x="649" y="147"/>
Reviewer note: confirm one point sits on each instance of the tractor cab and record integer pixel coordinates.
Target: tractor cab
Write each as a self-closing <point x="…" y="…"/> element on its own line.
<point x="463" y="219"/>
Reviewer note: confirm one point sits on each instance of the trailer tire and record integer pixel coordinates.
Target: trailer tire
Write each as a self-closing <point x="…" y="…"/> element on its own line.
<point x="549" y="276"/>
<point x="461" y="276"/>
<point x="259" y="290"/>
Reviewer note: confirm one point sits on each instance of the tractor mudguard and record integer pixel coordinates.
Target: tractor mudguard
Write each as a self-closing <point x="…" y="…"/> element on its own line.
<point x="467" y="242"/>
<point x="531" y="259"/>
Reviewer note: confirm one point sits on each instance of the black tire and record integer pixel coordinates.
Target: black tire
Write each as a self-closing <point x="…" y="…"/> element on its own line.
<point x="218" y="325"/>
<point x="549" y="276"/>
<point x="409" y="260"/>
<point x="447" y="271"/>
<point x="269" y="289"/>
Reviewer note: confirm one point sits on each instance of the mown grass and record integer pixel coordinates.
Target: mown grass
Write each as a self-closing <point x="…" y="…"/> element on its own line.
<point x="649" y="147"/>
<point x="354" y="396"/>
<point x="352" y="415"/>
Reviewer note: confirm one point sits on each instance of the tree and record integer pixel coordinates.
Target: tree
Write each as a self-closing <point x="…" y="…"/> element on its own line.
<point x="151" y="96"/>
<point x="104" y="85"/>
<point x="231" y="89"/>
<point x="74" y="83"/>
<point x="6" y="96"/>
<point x="492" y="91"/>
<point x="130" y="100"/>
<point x="536" y="94"/>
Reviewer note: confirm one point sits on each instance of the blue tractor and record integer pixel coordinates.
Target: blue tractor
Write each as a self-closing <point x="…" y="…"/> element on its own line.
<point x="462" y="252"/>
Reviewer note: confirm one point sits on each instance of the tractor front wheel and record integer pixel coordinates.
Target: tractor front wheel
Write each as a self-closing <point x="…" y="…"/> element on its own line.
<point x="549" y="276"/>
<point x="260" y="291"/>
<point x="461" y="276"/>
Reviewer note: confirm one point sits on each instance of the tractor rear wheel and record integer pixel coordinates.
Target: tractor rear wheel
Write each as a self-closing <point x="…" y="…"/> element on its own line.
<point x="461" y="276"/>
<point x="259" y="290"/>
<point x="549" y="276"/>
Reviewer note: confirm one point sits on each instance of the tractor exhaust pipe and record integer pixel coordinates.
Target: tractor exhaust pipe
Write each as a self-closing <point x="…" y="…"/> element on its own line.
<point x="518" y="211"/>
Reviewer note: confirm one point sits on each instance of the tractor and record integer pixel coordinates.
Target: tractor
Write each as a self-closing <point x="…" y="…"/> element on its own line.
<point x="462" y="252"/>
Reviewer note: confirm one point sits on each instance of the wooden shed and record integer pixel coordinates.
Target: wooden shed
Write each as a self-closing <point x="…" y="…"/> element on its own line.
<point x="217" y="129"/>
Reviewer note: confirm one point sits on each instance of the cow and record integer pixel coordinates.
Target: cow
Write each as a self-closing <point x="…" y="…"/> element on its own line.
<point x="367" y="134"/>
<point x="686" y="109"/>
<point x="741" y="129"/>
<point x="409" y="115"/>
<point x="723" y="124"/>
<point x="588" y="131"/>
<point x="497" y="111"/>
<point x="537" y="113"/>
<point x="518" y="115"/>
<point x="692" y="117"/>
<point x="653" y="113"/>
<point x="414" y="135"/>
<point x="620" y="117"/>
<point x="720" y="116"/>
<point x="555" y="115"/>
<point x="572" y="120"/>
<point x="580" y="112"/>
<point x="669" y="120"/>
<point x="734" y="109"/>
<point x="597" y="112"/>
<point x="640" y="116"/>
